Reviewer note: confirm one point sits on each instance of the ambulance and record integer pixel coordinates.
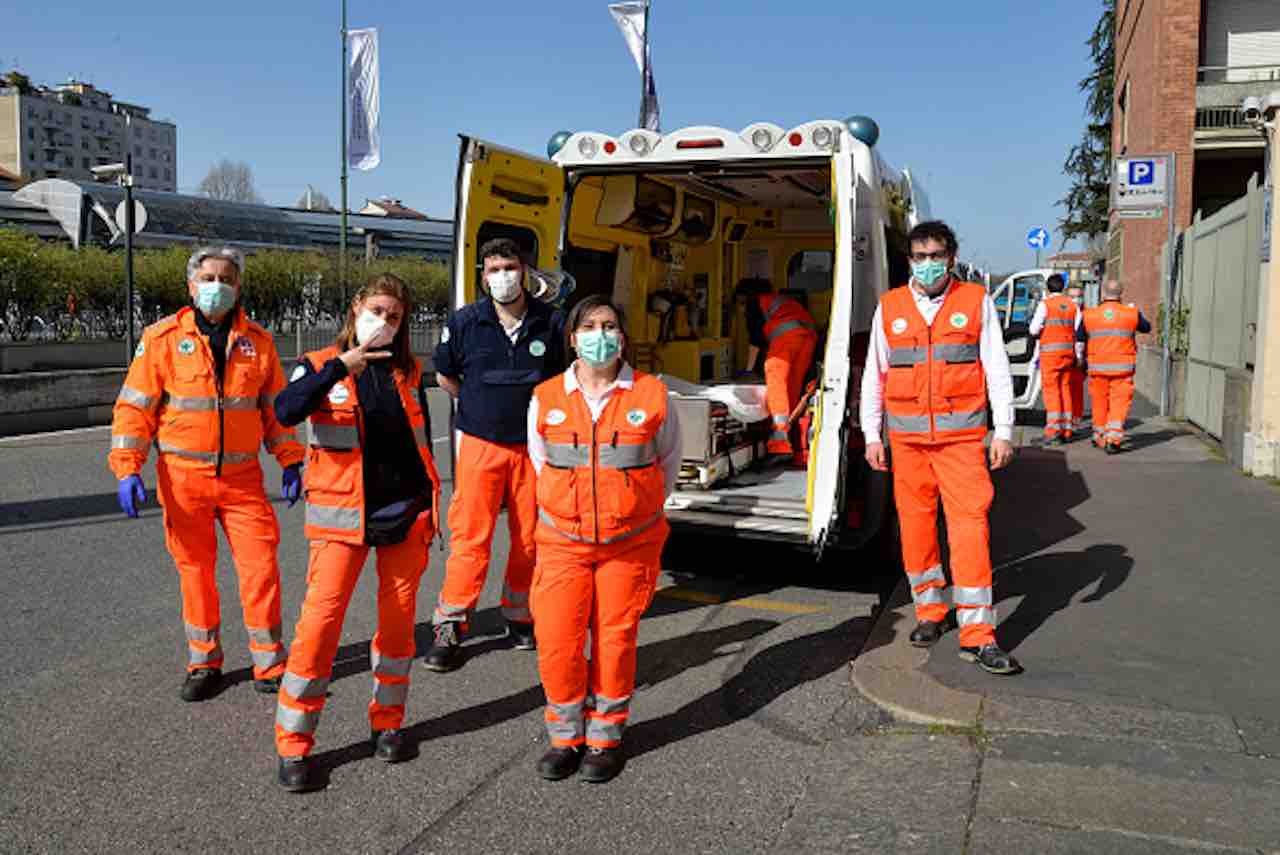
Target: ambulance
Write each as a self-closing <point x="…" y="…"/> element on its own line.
<point x="667" y="224"/>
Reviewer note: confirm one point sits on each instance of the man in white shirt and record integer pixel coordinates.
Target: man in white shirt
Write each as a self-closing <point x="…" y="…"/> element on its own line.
<point x="935" y="362"/>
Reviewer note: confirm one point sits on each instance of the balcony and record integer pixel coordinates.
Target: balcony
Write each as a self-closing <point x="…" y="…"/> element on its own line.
<point x="1219" y="92"/>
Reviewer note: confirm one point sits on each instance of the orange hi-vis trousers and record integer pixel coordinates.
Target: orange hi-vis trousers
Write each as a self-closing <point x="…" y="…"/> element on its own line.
<point x="956" y="472"/>
<point x="1055" y="377"/>
<point x="331" y="578"/>
<point x="192" y="503"/>
<point x="785" y="366"/>
<point x="1076" y="382"/>
<point x="1112" y="396"/>
<point x="488" y="475"/>
<point x="606" y="589"/>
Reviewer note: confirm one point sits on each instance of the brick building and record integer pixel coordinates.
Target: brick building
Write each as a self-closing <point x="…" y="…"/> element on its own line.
<point x="1182" y="69"/>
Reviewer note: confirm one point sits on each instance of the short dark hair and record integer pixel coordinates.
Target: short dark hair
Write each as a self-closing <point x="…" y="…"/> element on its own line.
<point x="934" y="230"/>
<point x="588" y="304"/>
<point x="500" y="248"/>
<point x="1056" y="283"/>
<point x="753" y="286"/>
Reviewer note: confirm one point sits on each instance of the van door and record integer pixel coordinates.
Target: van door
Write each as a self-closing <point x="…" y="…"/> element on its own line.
<point x="829" y="450"/>
<point x="504" y="193"/>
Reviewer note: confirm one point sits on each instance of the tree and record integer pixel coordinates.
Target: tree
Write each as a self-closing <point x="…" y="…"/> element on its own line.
<point x="230" y="182"/>
<point x="17" y="80"/>
<point x="314" y="200"/>
<point x="1088" y="201"/>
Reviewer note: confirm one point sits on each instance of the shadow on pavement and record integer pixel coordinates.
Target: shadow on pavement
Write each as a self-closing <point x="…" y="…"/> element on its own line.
<point x="68" y="508"/>
<point x="1032" y="508"/>
<point x="1137" y="441"/>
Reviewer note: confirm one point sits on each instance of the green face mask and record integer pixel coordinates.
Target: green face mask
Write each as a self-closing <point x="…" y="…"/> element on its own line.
<point x="598" y="347"/>
<point x="928" y="273"/>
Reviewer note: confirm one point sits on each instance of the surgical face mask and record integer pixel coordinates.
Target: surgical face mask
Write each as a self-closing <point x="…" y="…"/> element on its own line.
<point x="373" y="331"/>
<point x="598" y="347"/>
<point x="928" y="273"/>
<point x="504" y="286"/>
<point x="214" y="299"/>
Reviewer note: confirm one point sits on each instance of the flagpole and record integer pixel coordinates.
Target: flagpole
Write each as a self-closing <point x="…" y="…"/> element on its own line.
<point x="644" y="72"/>
<point x="342" y="234"/>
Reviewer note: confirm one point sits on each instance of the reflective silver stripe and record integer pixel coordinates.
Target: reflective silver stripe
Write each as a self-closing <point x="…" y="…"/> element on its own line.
<point x="907" y="424"/>
<point x="774" y="306"/>
<point x="240" y="403"/>
<point x="929" y="596"/>
<point x="203" y="657"/>
<point x="135" y="398"/>
<point x="280" y="439"/>
<point x="175" y="402"/>
<point x="340" y="437"/>
<point x="195" y="633"/>
<point x="264" y="659"/>
<point x="519" y="614"/>
<point x="933" y="574"/>
<point x="134" y="442"/>
<point x="603" y="730"/>
<point x="900" y="357"/>
<point x="238" y="457"/>
<point x="968" y="617"/>
<point x="779" y="436"/>
<point x="788" y="326"/>
<point x="390" y="694"/>
<point x="296" y="721"/>
<point x="565" y="721"/>
<point x="1115" y="425"/>
<point x="562" y="455"/>
<point x="304" y="687"/>
<point x="446" y="613"/>
<point x="390" y="665"/>
<point x="265" y="636"/>
<point x="962" y="596"/>
<point x="1055" y="347"/>
<point x="546" y="518"/>
<point x="206" y="456"/>
<point x="515" y="598"/>
<point x="780" y="419"/>
<point x="956" y="352"/>
<point x="324" y="516"/>
<point x="1112" y="334"/>
<point x="1059" y="322"/>
<point x="960" y="421"/>
<point x="608" y="706"/>
<point x="628" y="456"/>
<point x="1126" y="368"/>
<point x="420" y="436"/>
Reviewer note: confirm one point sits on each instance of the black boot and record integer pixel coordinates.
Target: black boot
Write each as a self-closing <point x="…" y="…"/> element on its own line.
<point x="445" y="653"/>
<point x="267" y="685"/>
<point x="391" y="746"/>
<point x="202" y="684"/>
<point x="521" y="635"/>
<point x="559" y="763"/>
<point x="926" y="633"/>
<point x="602" y="764"/>
<point x="298" y="775"/>
<point x="990" y="658"/>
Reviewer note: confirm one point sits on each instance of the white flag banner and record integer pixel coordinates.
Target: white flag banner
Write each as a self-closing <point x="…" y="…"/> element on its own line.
<point x="364" y="142"/>
<point x="630" y="18"/>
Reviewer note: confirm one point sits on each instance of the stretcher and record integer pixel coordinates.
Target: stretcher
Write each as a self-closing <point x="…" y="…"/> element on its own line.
<point x="724" y="430"/>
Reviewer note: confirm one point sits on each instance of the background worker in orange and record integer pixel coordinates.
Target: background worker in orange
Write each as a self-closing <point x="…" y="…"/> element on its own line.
<point x="371" y="482"/>
<point x="1110" y="332"/>
<point x="1055" y="322"/>
<point x="935" y="360"/>
<point x="785" y="331"/>
<point x="1076" y="379"/>
<point x="201" y="387"/>
<point x="607" y="451"/>
<point x="491" y="355"/>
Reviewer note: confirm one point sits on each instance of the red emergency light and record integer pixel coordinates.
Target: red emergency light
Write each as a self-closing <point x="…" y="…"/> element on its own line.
<point x="710" y="142"/>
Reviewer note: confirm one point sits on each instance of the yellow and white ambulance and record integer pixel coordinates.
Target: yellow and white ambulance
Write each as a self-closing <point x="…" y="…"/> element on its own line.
<point x="668" y="224"/>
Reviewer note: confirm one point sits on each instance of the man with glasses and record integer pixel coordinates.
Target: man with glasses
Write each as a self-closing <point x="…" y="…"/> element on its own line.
<point x="935" y="362"/>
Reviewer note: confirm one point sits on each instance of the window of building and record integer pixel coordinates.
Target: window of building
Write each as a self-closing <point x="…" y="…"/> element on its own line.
<point x="1123" y="104"/>
<point x="168" y="175"/>
<point x="68" y="161"/>
<point x="137" y="151"/>
<point x="84" y="123"/>
<point x="84" y="162"/>
<point x="31" y="155"/>
<point x="31" y="134"/>
<point x="151" y="173"/>
<point x="152" y="154"/>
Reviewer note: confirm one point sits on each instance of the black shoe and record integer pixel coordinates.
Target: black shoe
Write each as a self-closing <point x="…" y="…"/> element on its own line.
<point x="1113" y="448"/>
<point x="445" y="653"/>
<point x="926" y="633"/>
<point x="1053" y="441"/>
<point x="990" y="658"/>
<point x="601" y="765"/>
<point x="202" y="684"/>
<point x="267" y="685"/>
<point x="298" y="775"/>
<point x="521" y="635"/>
<point x="559" y="763"/>
<point x="391" y="746"/>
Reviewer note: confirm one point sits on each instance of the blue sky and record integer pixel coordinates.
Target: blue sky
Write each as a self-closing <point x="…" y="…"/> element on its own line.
<point x="978" y="98"/>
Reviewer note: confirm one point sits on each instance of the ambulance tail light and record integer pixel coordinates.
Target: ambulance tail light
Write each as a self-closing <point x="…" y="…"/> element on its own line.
<point x="762" y="139"/>
<point x="639" y="145"/>
<point x="795" y="138"/>
<point x="709" y="142"/>
<point x="587" y="147"/>
<point x="822" y="136"/>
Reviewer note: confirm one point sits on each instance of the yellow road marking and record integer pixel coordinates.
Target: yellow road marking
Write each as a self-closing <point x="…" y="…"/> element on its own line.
<point x="676" y="592"/>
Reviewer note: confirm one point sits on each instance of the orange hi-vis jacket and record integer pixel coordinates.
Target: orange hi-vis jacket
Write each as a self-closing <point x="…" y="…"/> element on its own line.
<point x="200" y="422"/>
<point x="936" y="390"/>
<point x="1112" y="329"/>
<point x="334" y="475"/>
<point x="1058" y="338"/>
<point x="783" y="315"/>
<point x="602" y="481"/>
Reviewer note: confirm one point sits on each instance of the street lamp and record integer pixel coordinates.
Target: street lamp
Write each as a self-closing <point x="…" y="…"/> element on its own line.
<point x="123" y="173"/>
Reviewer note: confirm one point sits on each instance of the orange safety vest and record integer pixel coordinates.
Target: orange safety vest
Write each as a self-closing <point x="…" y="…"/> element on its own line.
<point x="602" y="481"/>
<point x="1058" y="338"/>
<point x="936" y="390"/>
<point x="783" y="315"/>
<point x="200" y="422"/>
<point x="1112" y="329"/>
<point x="334" y="476"/>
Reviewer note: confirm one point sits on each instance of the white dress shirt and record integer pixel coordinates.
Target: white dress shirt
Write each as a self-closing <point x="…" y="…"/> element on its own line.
<point x="991" y="352"/>
<point x="1040" y="315"/>
<point x="667" y="440"/>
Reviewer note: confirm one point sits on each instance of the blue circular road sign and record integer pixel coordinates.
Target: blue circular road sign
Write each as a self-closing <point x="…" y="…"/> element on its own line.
<point x="1038" y="238"/>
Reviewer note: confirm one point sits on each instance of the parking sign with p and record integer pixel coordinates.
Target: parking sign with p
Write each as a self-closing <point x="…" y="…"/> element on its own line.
<point x="1141" y="183"/>
<point x="1142" y="171"/>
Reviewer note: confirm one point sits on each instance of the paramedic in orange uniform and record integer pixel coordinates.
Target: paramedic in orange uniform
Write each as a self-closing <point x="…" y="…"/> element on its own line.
<point x="1054" y="323"/>
<point x="1110" y="331"/>
<point x="491" y="355"/>
<point x="1076" y="293"/>
<point x="784" y="329"/>
<point x="201" y="387"/>
<point x="936" y="359"/>
<point x="607" y="452"/>
<point x="371" y="482"/>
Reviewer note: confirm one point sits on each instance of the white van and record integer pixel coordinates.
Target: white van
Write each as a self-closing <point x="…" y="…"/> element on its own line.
<point x="1016" y="299"/>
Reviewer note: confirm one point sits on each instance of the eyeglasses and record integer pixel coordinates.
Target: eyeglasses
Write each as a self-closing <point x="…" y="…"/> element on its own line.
<point x="941" y="255"/>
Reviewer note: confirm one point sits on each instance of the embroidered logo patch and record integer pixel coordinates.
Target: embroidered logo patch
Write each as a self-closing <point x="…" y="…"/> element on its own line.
<point x="537" y="348"/>
<point x="1109" y="314"/>
<point x="899" y="326"/>
<point x="298" y="373"/>
<point x="186" y="347"/>
<point x="959" y="320"/>
<point x="444" y="336"/>
<point x="636" y="417"/>
<point x="556" y="417"/>
<point x="141" y="349"/>
<point x="339" y="394"/>
<point x="246" y="348"/>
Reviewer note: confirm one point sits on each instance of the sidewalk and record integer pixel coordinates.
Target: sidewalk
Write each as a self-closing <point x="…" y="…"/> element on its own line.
<point x="1137" y="591"/>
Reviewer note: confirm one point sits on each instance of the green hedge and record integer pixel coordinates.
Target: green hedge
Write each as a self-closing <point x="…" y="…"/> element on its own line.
<point x="81" y="292"/>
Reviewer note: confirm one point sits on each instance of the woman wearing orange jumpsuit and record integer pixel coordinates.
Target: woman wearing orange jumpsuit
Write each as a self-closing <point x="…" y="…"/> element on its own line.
<point x="607" y="453"/>
<point x="370" y="482"/>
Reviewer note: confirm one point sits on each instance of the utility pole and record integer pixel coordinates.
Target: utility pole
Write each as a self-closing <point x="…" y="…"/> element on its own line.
<point x="342" y="235"/>
<point x="127" y="180"/>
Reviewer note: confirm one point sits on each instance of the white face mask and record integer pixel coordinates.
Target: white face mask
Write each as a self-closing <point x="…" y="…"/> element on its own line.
<point x="504" y="286"/>
<point x="373" y="331"/>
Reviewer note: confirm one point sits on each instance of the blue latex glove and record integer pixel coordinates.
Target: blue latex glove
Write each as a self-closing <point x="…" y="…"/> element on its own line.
<point x="291" y="483"/>
<point x="132" y="495"/>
